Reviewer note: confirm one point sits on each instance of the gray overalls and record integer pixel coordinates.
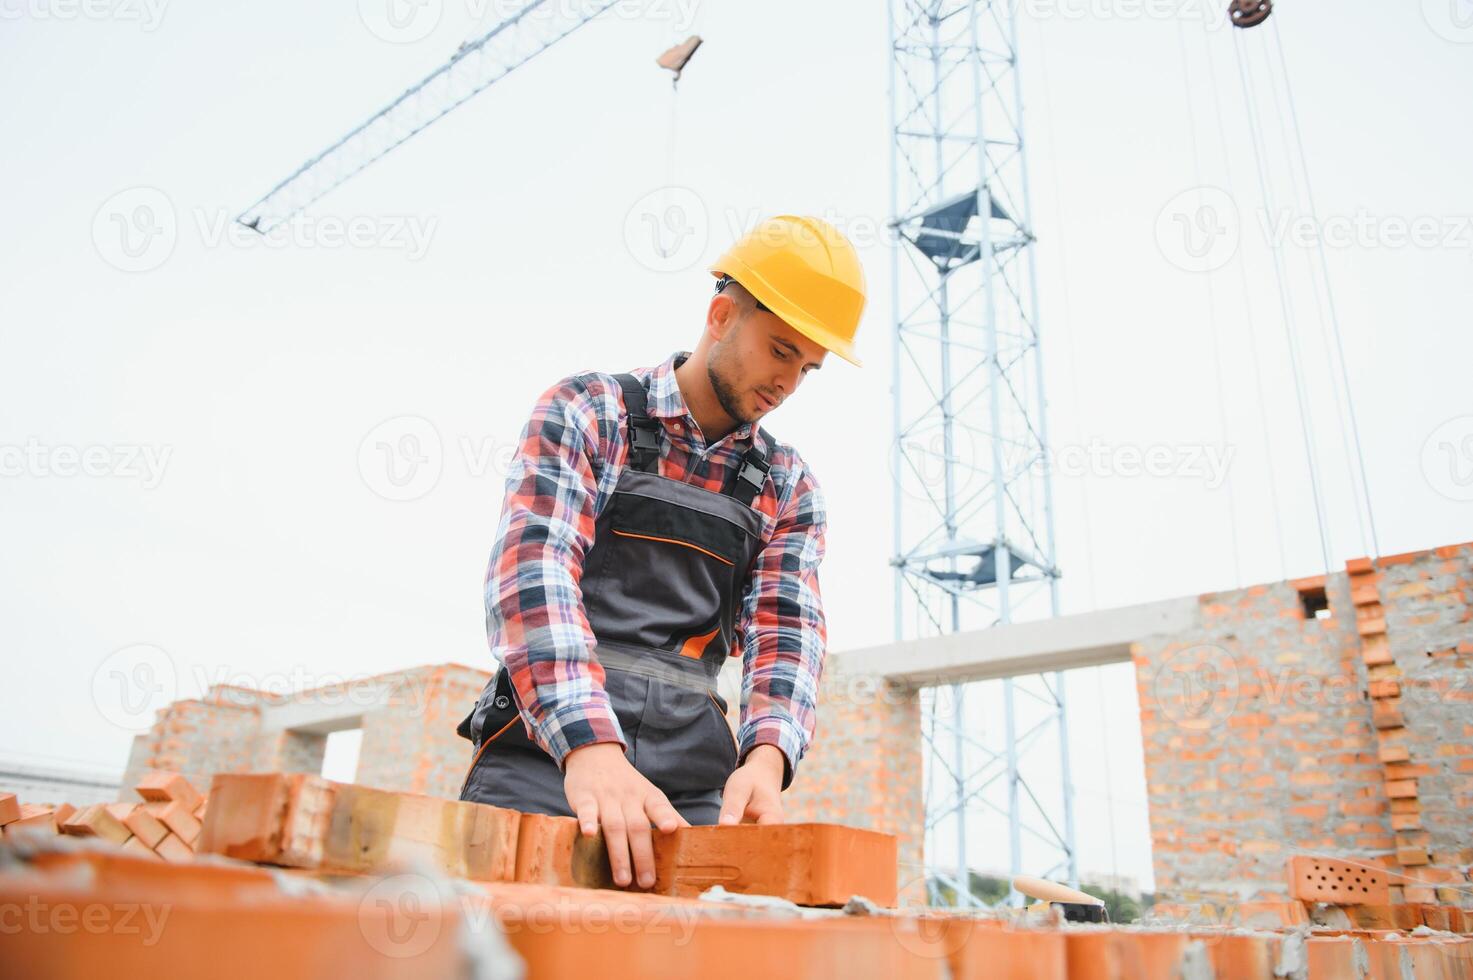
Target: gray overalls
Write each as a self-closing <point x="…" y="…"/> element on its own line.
<point x="661" y="586"/>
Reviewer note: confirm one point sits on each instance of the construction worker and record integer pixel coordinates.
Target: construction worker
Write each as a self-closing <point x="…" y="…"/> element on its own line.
<point x="650" y="530"/>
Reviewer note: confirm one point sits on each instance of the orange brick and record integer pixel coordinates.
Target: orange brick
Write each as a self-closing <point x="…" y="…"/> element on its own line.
<point x="171" y="848"/>
<point x="1011" y="954"/>
<point x="168" y="787"/>
<point x="63" y="813"/>
<point x="806" y="863"/>
<point x="9" y="809"/>
<point x="1392" y="753"/>
<point x="1383" y="689"/>
<point x="96" y="821"/>
<point x="1337" y="882"/>
<point x="554" y="851"/>
<point x="135" y="846"/>
<point x="301" y="821"/>
<point x="1331" y="957"/>
<point x="1386" y="714"/>
<point x="175" y="815"/>
<point x="1401" y="789"/>
<point x="145" y="827"/>
<point x="279" y="937"/>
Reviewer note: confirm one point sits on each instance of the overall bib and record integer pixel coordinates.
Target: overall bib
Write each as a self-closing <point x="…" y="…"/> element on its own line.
<point x="662" y="586"/>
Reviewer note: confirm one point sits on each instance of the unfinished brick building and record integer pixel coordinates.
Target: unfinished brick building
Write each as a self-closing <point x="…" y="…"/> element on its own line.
<point x="1325" y="715"/>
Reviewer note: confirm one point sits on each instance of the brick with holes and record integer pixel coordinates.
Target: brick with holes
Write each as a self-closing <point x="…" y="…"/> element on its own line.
<point x="1337" y="881"/>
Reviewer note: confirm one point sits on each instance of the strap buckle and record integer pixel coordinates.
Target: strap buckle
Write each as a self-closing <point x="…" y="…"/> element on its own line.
<point x="753" y="472"/>
<point x="646" y="434"/>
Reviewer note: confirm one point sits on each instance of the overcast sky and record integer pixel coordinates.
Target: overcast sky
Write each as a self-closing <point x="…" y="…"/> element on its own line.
<point x="207" y="436"/>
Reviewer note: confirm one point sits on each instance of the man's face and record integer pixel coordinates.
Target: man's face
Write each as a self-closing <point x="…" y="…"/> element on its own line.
<point x="758" y="362"/>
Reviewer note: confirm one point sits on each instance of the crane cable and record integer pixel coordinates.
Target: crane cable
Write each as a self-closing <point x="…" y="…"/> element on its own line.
<point x="1247" y="294"/>
<point x="1286" y="306"/>
<point x="1339" y="348"/>
<point x="1212" y="319"/>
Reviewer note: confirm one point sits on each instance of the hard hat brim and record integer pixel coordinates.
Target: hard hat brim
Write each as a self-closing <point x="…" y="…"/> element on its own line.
<point x="787" y="311"/>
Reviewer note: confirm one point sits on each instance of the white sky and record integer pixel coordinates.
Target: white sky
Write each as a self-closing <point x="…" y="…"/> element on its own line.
<point x="262" y="554"/>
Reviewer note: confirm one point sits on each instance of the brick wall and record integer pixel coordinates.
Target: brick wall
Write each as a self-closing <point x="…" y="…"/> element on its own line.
<point x="409" y="740"/>
<point x="864" y="766"/>
<point x="1269" y="732"/>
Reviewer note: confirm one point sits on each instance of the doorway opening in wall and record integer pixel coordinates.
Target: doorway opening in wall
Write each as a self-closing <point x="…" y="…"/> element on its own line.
<point x="1107" y="771"/>
<point x="340" y="757"/>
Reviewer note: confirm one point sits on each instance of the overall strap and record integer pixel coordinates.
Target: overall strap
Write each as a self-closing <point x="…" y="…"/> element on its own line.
<point x="751" y="475"/>
<point x="644" y="432"/>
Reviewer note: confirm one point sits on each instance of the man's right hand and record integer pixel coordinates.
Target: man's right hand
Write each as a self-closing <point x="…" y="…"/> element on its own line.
<point x="604" y="789"/>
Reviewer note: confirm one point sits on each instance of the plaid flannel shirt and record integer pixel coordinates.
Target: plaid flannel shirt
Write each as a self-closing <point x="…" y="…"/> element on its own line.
<point x="568" y="461"/>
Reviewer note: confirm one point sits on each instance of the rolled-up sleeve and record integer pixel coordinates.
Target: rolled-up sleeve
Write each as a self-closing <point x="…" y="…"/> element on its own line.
<point x="535" y="621"/>
<point x="783" y="632"/>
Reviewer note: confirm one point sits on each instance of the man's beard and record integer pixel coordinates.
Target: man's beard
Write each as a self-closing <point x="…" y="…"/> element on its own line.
<point x="725" y="394"/>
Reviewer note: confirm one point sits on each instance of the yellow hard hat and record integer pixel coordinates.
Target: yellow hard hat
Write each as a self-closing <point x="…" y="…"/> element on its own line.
<point x="807" y="273"/>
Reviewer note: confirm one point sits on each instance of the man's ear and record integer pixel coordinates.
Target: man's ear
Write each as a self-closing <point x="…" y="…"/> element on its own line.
<point x="721" y="316"/>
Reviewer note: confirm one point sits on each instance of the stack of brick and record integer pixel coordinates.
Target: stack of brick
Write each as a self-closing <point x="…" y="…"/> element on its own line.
<point x="1420" y="688"/>
<point x="181" y="917"/>
<point x="165" y="825"/>
<point x="306" y="822"/>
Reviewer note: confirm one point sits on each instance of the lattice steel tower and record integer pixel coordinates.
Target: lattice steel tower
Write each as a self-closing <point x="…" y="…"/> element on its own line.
<point x="973" y="511"/>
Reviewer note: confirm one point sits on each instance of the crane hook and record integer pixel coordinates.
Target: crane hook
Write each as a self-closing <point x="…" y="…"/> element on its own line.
<point x="1249" y="13"/>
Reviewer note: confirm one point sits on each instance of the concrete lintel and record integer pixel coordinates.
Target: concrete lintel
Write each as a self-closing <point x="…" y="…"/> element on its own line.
<point x="1062" y="643"/>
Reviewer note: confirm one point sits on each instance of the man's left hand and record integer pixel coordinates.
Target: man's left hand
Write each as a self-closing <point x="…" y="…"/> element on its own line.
<point x="754" y="791"/>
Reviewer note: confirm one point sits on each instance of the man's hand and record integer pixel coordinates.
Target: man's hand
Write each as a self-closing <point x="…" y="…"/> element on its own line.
<point x="604" y="789"/>
<point x="755" y="789"/>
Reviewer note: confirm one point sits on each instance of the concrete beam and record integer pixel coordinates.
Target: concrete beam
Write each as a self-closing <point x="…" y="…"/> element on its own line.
<point x="1062" y="643"/>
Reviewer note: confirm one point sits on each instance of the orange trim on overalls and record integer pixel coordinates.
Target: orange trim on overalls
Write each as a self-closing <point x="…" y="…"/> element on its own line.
<point x="650" y="537"/>
<point x="696" y="645"/>
<point x="477" y="758"/>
